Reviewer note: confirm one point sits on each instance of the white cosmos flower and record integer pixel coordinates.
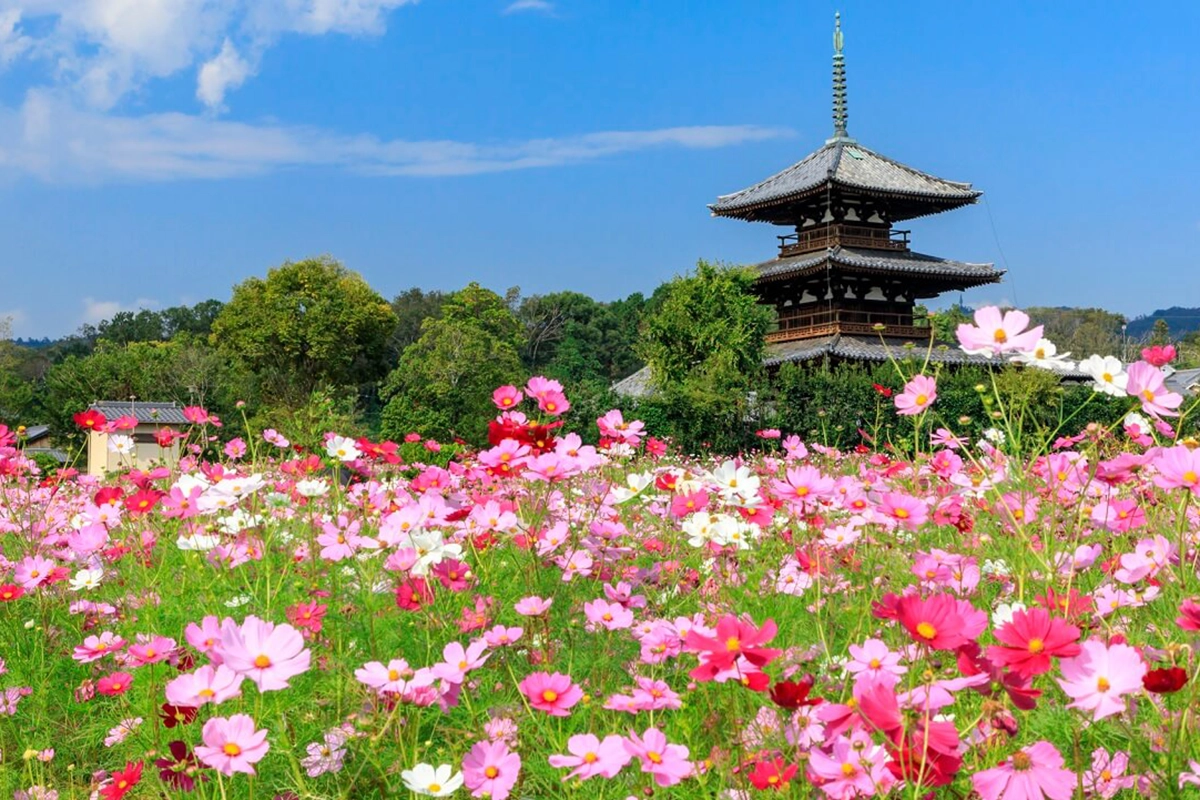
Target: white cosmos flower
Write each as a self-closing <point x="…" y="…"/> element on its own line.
<point x="735" y="481"/>
<point x="120" y="444"/>
<point x="198" y="541"/>
<point x="312" y="487"/>
<point x="1046" y="356"/>
<point x="1136" y="421"/>
<point x="342" y="448"/>
<point x="1108" y="372"/>
<point x="425" y="779"/>
<point x="87" y="579"/>
<point x="1004" y="613"/>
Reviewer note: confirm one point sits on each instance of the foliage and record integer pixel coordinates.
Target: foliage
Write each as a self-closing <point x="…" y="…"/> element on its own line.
<point x="573" y="338"/>
<point x="1083" y="331"/>
<point x="412" y="308"/>
<point x="309" y="324"/>
<point x="442" y="386"/>
<point x="703" y="342"/>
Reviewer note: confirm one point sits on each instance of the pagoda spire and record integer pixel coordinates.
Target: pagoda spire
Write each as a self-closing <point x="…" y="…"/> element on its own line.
<point x="840" y="111"/>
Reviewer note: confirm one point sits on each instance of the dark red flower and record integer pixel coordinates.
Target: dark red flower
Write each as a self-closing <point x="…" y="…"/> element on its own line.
<point x="1165" y="681"/>
<point x="180" y="771"/>
<point x="177" y="715"/>
<point x="883" y="390"/>
<point x="794" y="694"/>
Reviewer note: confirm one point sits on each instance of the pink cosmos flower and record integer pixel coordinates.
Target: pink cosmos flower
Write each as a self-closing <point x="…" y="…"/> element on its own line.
<point x="501" y="636"/>
<point x="151" y="650"/>
<point x="1178" y="468"/>
<point x="654" y="695"/>
<point x="1107" y="775"/>
<point x="266" y="653"/>
<point x="611" y="616"/>
<point x="906" y="510"/>
<point x="873" y="658"/>
<point x="852" y="767"/>
<point x="995" y="333"/>
<point x="554" y="403"/>
<point x="1100" y="676"/>
<point x="490" y="770"/>
<point x="1029" y="641"/>
<point x="936" y="621"/>
<point x="394" y="678"/>
<point x="591" y="757"/>
<point x="1189" y="615"/>
<point x="96" y="647"/>
<point x="205" y="637"/>
<point x="533" y="606"/>
<point x="116" y="684"/>
<point x="1159" y="355"/>
<point x="457" y="661"/>
<point x="553" y="693"/>
<point x="208" y="684"/>
<point x="33" y="571"/>
<point x="1147" y="384"/>
<point x="918" y="395"/>
<point x="1033" y="773"/>
<point x="232" y="744"/>
<point x="507" y="397"/>
<point x="668" y="763"/>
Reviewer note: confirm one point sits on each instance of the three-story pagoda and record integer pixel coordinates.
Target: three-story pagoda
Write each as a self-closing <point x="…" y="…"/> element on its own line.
<point x="845" y="276"/>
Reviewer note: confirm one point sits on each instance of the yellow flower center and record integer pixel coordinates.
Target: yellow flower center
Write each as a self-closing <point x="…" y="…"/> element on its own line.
<point x="435" y="787"/>
<point x="732" y="644"/>
<point x="491" y="772"/>
<point x="654" y="757"/>
<point x="875" y="663"/>
<point x="232" y="749"/>
<point x="1190" y="477"/>
<point x="922" y="399"/>
<point x="1000" y="337"/>
<point x="849" y="769"/>
<point x="590" y="758"/>
<point x="262" y="662"/>
<point x="926" y="631"/>
<point x="1102" y="684"/>
<point x="549" y="695"/>
<point x="393" y="675"/>
<point x="1036" y="645"/>
<point x="902" y="513"/>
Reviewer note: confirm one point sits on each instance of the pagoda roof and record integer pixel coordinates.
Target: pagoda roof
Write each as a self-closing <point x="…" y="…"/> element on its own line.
<point x="845" y="164"/>
<point x="880" y="261"/>
<point x="868" y="348"/>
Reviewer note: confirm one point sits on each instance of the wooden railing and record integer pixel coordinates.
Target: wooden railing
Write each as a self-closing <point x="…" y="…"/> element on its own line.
<point x="822" y="237"/>
<point x="826" y="322"/>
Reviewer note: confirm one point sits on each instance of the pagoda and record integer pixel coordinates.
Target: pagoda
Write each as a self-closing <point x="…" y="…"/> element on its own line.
<point x="845" y="280"/>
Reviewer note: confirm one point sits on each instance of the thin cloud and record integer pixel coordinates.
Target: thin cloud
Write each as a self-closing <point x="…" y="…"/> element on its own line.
<point x="51" y="139"/>
<point x="519" y="6"/>
<point x="95" y="311"/>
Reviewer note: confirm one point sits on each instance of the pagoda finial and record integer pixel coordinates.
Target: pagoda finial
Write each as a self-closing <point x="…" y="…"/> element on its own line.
<point x="840" y="112"/>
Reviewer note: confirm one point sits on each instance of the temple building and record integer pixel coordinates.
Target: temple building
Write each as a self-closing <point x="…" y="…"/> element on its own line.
<point x="845" y="279"/>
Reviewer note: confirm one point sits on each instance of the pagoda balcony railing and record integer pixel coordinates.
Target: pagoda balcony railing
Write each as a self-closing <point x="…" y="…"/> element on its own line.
<point x="827" y="322"/>
<point x="823" y="237"/>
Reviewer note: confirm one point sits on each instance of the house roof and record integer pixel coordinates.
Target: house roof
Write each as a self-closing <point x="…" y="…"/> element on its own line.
<point x="879" y="261"/>
<point x="35" y="432"/>
<point x="843" y="163"/>
<point x="635" y="385"/>
<point x="1184" y="381"/>
<point x="168" y="413"/>
<point x="61" y="456"/>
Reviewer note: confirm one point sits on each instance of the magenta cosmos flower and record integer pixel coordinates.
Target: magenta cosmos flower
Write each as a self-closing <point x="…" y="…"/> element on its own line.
<point x="1033" y="773"/>
<point x="591" y="757"/>
<point x="1147" y="384"/>
<point x="668" y="763"/>
<point x="1100" y="676"/>
<point x="1031" y="639"/>
<point x="208" y="684"/>
<point x="553" y="693"/>
<point x="264" y="652"/>
<point x="996" y="332"/>
<point x="490" y="770"/>
<point x="918" y="395"/>
<point x="232" y="745"/>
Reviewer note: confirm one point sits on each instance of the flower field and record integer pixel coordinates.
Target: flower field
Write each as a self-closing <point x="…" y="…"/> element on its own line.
<point x="543" y="618"/>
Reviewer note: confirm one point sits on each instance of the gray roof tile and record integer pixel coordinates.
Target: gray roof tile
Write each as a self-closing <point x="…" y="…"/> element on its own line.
<point x="168" y="413"/>
<point x="849" y="164"/>
<point x="881" y="261"/>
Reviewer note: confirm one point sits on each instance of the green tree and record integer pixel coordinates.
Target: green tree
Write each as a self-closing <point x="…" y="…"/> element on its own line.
<point x="16" y="393"/>
<point x="443" y="383"/>
<point x="704" y="345"/>
<point x="309" y="324"/>
<point x="412" y="308"/>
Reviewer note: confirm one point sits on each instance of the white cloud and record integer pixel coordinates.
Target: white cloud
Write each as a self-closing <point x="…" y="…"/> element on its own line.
<point x="104" y="49"/>
<point x="95" y="311"/>
<point x="50" y="138"/>
<point x="518" y="6"/>
<point x="218" y="75"/>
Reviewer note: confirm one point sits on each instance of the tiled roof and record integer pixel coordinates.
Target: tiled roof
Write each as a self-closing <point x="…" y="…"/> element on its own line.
<point x="35" y="432"/>
<point x="880" y="261"/>
<point x="1184" y="381"/>
<point x="844" y="162"/>
<point x="164" y="413"/>
<point x="636" y="385"/>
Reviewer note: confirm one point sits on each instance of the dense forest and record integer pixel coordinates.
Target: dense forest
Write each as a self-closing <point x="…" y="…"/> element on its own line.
<point x="312" y="347"/>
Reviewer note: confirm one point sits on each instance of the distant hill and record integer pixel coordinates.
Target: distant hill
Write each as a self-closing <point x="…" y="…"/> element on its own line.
<point x="1180" y="320"/>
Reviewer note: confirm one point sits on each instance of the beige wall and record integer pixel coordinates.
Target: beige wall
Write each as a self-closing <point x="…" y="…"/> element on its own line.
<point x="146" y="454"/>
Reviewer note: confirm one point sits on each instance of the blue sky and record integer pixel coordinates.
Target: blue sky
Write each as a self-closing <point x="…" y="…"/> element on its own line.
<point x="157" y="152"/>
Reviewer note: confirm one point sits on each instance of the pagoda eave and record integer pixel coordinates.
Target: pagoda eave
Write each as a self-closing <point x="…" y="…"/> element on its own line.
<point x="948" y="275"/>
<point x="901" y="206"/>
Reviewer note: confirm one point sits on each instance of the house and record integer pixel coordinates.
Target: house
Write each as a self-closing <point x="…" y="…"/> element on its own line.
<point x="38" y="441"/>
<point x="143" y="450"/>
<point x="1184" y="381"/>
